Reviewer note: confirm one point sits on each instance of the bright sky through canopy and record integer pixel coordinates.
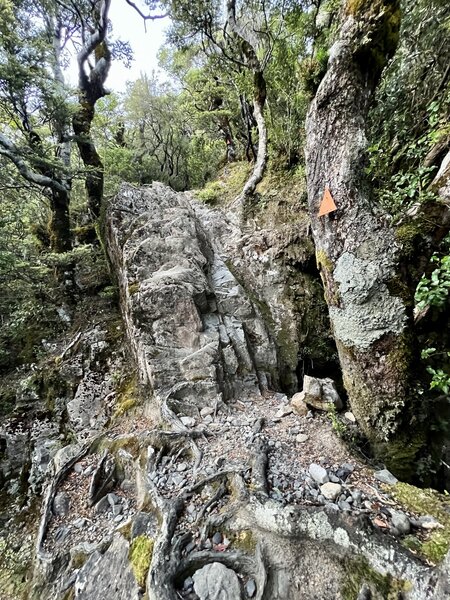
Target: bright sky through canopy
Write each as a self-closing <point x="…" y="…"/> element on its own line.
<point x="129" y="26"/>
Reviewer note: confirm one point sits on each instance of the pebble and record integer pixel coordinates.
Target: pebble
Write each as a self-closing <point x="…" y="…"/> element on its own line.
<point x="206" y="411"/>
<point x="344" y="505"/>
<point x="188" y="421"/>
<point x="331" y="490"/>
<point x="350" y="417"/>
<point x="182" y="467"/>
<point x="284" y="411"/>
<point x="357" y="496"/>
<point x="302" y="437"/>
<point x="318" y="473"/>
<point x="250" y="588"/>
<point x="79" y="523"/>
<point x="401" y="522"/>
<point x="217" y="538"/>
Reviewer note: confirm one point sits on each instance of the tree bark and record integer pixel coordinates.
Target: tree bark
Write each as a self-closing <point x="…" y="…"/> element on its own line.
<point x="91" y="80"/>
<point x="364" y="261"/>
<point x="248" y="45"/>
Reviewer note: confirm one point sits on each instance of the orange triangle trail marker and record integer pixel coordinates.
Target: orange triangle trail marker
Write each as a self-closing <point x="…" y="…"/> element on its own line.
<point x="327" y="205"/>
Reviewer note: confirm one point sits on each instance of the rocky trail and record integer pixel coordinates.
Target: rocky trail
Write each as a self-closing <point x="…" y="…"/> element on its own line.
<point x="199" y="479"/>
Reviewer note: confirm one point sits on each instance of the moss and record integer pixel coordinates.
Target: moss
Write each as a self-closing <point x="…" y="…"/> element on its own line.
<point x="244" y="540"/>
<point x="381" y="33"/>
<point x="408" y="235"/>
<point x="383" y="587"/>
<point x="427" y="502"/>
<point x="323" y="261"/>
<point x="129" y="443"/>
<point x="133" y="288"/>
<point x="78" y="560"/>
<point x="401" y="453"/>
<point x="125" y="530"/>
<point x="127" y="396"/>
<point x="140" y="557"/>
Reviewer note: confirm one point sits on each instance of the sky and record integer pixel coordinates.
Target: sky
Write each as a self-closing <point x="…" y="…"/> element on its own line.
<point x="129" y="26"/>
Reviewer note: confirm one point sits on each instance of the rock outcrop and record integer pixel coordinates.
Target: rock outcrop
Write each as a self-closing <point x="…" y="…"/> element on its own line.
<point x="192" y="477"/>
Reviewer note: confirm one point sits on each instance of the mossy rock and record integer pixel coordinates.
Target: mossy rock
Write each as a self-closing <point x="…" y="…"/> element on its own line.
<point x="140" y="556"/>
<point x="382" y="587"/>
<point x="432" y="503"/>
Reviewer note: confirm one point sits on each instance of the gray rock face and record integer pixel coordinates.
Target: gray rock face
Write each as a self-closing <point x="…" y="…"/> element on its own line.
<point x="188" y="319"/>
<point x="108" y="575"/>
<point x="216" y="582"/>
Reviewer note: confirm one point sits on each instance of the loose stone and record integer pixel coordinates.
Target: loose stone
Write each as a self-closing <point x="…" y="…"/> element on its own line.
<point x="331" y="490"/>
<point x="318" y="473"/>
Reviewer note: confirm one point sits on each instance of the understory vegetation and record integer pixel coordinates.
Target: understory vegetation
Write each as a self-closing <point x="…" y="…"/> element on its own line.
<point x="64" y="150"/>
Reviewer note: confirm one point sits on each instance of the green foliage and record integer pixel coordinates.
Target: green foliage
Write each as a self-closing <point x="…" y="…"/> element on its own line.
<point x="434" y="290"/>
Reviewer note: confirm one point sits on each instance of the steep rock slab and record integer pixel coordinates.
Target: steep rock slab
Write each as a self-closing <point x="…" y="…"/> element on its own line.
<point x="196" y="336"/>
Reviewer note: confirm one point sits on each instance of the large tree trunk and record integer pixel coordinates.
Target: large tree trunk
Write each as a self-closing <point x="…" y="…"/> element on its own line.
<point x="364" y="262"/>
<point x="91" y="82"/>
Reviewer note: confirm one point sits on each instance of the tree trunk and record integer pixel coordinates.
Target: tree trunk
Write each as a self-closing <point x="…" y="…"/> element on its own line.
<point x="82" y="122"/>
<point x="364" y="262"/>
<point x="91" y="87"/>
<point x="248" y="45"/>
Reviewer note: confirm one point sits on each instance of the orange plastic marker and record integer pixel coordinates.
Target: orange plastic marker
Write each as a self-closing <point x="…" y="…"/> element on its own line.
<point x="327" y="205"/>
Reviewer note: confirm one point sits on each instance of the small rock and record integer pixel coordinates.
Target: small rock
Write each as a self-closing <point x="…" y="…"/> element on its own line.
<point x="284" y="411"/>
<point x="183" y="466"/>
<point x="250" y="588"/>
<point x="334" y="479"/>
<point x="357" y="496"/>
<point x="215" y="580"/>
<point x="188" y="421"/>
<point x="350" y="417"/>
<point x="301" y="437"/>
<point x="208" y="419"/>
<point x="80" y="522"/>
<point x="385" y="476"/>
<point x="348" y="467"/>
<point x="113" y="499"/>
<point x="188" y="583"/>
<point x="102" y="505"/>
<point x="331" y="490"/>
<point x="217" y="538"/>
<point x="78" y="468"/>
<point x="344" y="505"/>
<point x="206" y="411"/>
<point x="428" y="522"/>
<point x="318" y="473"/>
<point x="282" y="398"/>
<point x="118" y="518"/>
<point x="298" y="404"/>
<point x="61" y="534"/>
<point x="61" y="504"/>
<point x="401" y="522"/>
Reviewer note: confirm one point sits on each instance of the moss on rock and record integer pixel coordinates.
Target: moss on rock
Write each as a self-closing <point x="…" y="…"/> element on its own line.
<point x="432" y="503"/>
<point x="383" y="587"/>
<point x="140" y="556"/>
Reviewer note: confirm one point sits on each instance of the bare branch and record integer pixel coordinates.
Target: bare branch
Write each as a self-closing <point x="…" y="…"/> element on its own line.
<point x="10" y="151"/>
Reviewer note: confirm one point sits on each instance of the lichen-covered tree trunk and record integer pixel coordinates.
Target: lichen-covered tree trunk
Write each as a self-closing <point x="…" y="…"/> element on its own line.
<point x="368" y="285"/>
